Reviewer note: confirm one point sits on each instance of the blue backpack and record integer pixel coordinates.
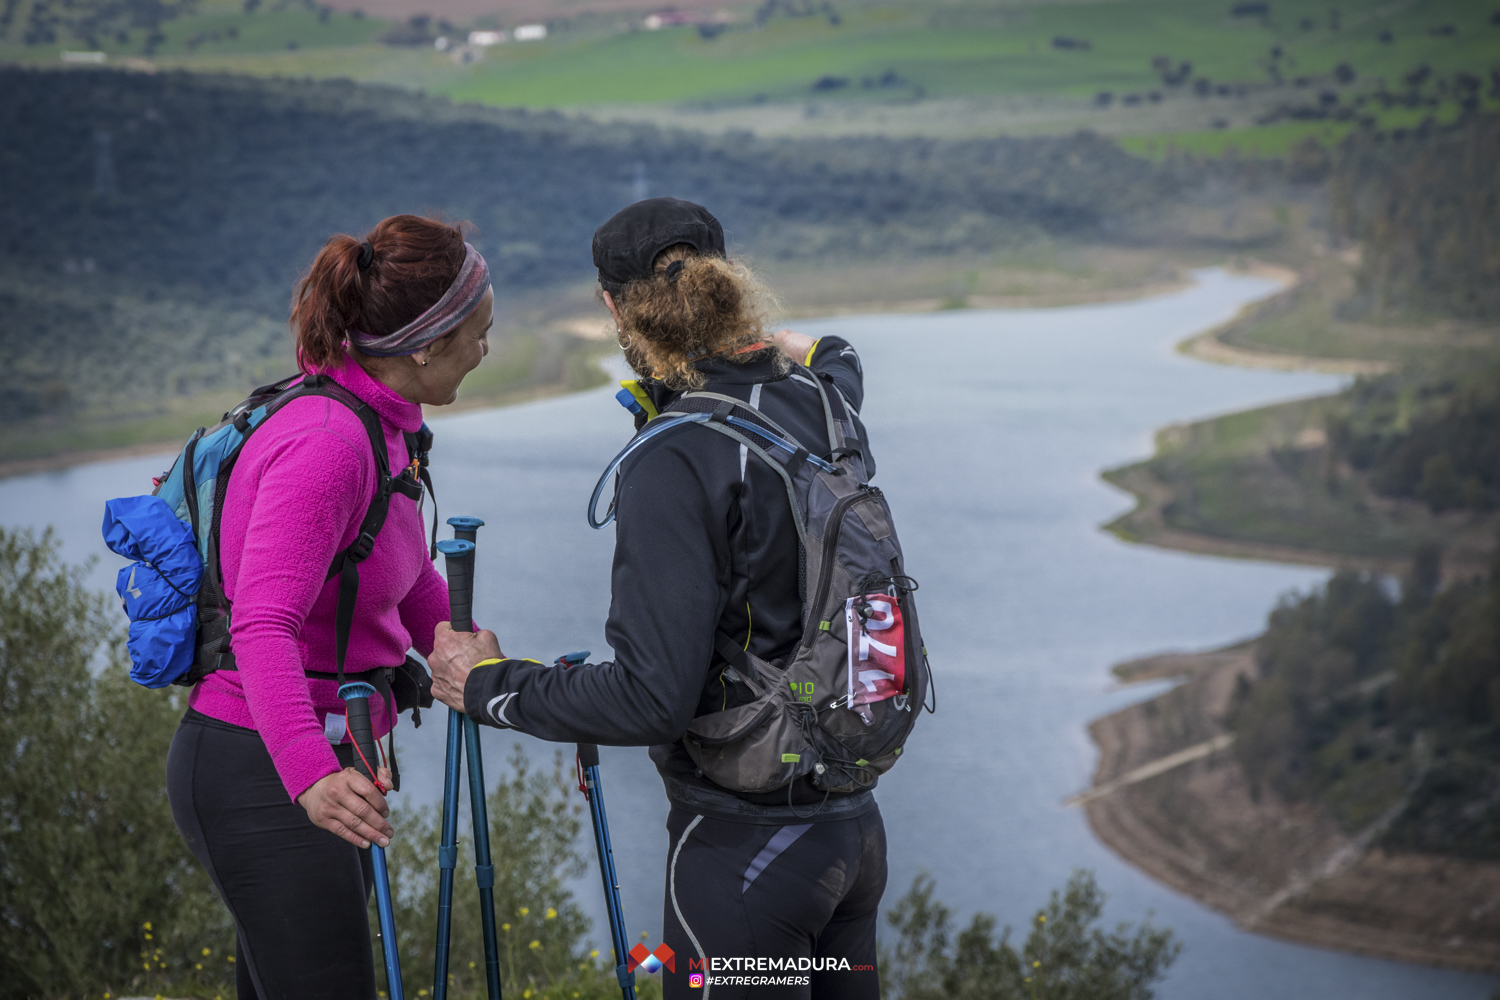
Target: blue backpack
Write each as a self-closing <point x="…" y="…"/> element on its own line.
<point x="173" y="591"/>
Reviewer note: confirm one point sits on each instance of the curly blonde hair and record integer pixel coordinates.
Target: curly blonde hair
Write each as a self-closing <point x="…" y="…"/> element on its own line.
<point x="705" y="307"/>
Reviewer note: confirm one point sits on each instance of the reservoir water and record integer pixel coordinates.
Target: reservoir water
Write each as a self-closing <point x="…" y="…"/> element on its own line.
<point x="990" y="429"/>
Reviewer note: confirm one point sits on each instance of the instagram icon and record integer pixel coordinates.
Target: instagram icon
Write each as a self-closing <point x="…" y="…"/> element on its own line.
<point x="695" y="980"/>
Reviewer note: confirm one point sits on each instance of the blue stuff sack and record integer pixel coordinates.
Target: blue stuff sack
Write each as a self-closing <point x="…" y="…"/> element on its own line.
<point x="158" y="588"/>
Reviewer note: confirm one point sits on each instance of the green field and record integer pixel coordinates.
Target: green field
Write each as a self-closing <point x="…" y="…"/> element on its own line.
<point x="904" y="57"/>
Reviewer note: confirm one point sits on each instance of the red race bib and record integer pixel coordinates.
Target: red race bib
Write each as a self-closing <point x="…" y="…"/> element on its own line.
<point x="877" y="650"/>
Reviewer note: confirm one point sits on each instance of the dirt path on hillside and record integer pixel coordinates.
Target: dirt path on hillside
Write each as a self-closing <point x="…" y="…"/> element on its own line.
<point x="1277" y="868"/>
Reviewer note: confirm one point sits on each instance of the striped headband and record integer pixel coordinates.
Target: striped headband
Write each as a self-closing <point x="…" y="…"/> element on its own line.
<point x="440" y="318"/>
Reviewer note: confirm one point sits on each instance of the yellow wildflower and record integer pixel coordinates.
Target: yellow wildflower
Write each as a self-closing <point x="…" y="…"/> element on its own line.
<point x="146" y="925"/>
<point x="594" y="953"/>
<point x="207" y="952"/>
<point x="535" y="944"/>
<point x="505" y="927"/>
<point x="551" y="913"/>
<point x="1036" y="965"/>
<point x="198" y="966"/>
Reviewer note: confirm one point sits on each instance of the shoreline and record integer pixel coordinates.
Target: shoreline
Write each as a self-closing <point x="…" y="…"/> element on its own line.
<point x="1170" y="799"/>
<point x="1275" y="868"/>
<point x="10" y="468"/>
<point x="592" y="328"/>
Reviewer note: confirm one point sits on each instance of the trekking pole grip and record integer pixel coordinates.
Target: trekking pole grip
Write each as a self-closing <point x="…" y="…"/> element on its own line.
<point x="459" y="560"/>
<point x="356" y="698"/>
<point x="466" y="528"/>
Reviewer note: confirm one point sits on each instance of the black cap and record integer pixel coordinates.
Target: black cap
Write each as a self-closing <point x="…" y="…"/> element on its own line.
<point x="626" y="245"/>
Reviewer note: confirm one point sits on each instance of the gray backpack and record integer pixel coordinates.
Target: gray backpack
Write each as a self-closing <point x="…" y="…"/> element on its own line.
<point x="842" y="704"/>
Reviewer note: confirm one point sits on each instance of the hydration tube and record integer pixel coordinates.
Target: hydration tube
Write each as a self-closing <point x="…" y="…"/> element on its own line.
<point x="666" y="422"/>
<point x="778" y="441"/>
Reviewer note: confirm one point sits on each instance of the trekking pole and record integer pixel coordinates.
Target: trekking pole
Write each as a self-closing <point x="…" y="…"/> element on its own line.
<point x="466" y="529"/>
<point x="588" y="766"/>
<point x="458" y="556"/>
<point x="356" y="697"/>
<point x="460" y="609"/>
<point x="484" y="869"/>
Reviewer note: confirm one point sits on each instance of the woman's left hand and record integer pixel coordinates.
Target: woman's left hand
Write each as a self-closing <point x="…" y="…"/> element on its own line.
<point x="454" y="654"/>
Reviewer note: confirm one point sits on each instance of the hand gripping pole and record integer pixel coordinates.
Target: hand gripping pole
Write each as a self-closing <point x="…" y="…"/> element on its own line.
<point x="463" y="734"/>
<point x="458" y="557"/>
<point x="593" y="790"/>
<point x="356" y="697"/>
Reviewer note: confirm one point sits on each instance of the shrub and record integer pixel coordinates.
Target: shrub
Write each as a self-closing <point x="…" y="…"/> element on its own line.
<point x="1065" y="956"/>
<point x="97" y="890"/>
<point x="534" y="827"/>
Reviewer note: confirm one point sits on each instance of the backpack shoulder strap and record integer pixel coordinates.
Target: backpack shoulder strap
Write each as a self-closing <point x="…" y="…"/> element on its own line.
<point x="842" y="443"/>
<point x="681" y="406"/>
<point x="345" y="563"/>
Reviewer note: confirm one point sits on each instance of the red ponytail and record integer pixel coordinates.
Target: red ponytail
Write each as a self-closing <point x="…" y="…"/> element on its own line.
<point x="413" y="262"/>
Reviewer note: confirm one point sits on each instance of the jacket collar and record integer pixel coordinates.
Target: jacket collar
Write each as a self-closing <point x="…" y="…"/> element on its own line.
<point x="393" y="408"/>
<point x="652" y="397"/>
<point x="757" y="367"/>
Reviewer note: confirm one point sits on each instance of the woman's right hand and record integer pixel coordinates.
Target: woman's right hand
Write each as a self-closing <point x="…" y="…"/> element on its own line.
<point x="346" y="803"/>
<point x="795" y="345"/>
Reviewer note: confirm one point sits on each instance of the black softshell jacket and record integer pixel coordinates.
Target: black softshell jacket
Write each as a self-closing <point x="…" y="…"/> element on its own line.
<point x="704" y="540"/>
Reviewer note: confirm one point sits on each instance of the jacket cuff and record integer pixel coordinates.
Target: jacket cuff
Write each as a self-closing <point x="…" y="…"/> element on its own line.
<point x="304" y="764"/>
<point x="484" y="678"/>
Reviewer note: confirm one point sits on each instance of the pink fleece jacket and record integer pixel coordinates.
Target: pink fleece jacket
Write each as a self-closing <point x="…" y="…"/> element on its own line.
<point x="295" y="498"/>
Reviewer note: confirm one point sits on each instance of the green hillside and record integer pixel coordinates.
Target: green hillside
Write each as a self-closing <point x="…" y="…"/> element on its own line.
<point x="1181" y="71"/>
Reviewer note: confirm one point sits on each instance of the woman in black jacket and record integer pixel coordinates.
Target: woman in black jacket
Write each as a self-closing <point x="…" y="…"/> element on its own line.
<point x="707" y="543"/>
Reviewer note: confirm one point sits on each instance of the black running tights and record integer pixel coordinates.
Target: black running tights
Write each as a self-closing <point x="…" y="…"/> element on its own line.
<point x="298" y="894"/>
<point x="770" y="902"/>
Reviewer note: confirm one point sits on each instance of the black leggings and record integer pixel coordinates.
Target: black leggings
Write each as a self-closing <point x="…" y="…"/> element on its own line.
<point x="298" y="894"/>
<point x="803" y="895"/>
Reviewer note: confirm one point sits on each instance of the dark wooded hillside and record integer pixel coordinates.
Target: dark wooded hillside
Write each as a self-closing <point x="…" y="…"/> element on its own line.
<point x="155" y="223"/>
<point x="1425" y="204"/>
<point x="228" y="185"/>
<point x="1364" y="700"/>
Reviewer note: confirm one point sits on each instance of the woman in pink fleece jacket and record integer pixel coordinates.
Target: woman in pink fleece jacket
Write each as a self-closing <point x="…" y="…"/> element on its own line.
<point x="259" y="774"/>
